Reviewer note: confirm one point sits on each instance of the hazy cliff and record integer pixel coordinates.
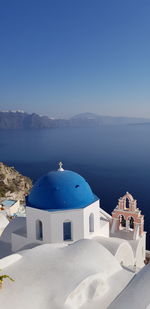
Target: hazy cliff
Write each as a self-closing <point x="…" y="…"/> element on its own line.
<point x="18" y="120"/>
<point x="21" y="120"/>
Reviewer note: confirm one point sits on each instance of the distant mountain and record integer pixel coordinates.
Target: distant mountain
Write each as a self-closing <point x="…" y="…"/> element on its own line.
<point x="84" y="116"/>
<point x="22" y="120"/>
<point x="108" y="120"/>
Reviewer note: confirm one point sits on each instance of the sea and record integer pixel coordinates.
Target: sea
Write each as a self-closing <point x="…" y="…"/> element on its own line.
<point x="113" y="159"/>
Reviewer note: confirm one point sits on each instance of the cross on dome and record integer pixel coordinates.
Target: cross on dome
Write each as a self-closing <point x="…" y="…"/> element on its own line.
<point x="60" y="169"/>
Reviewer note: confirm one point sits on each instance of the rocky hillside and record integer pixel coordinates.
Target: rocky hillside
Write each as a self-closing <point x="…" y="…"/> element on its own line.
<point x="12" y="183"/>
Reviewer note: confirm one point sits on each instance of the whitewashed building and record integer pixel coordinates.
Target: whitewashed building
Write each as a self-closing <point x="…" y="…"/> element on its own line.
<point x="10" y="207"/>
<point x="61" y="208"/>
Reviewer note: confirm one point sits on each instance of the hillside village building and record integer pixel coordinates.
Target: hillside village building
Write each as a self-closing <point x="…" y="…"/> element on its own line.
<point x="10" y="207"/>
<point x="61" y="208"/>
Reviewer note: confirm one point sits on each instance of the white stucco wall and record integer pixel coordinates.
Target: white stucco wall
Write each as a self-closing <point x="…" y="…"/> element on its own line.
<point x="104" y="227"/>
<point x="32" y="216"/>
<point x="92" y="209"/>
<point x="125" y="255"/>
<point x="120" y="248"/>
<point x="141" y="251"/>
<point x="14" y="208"/>
<point x="57" y="220"/>
<point x="3" y="222"/>
<point x="52" y="224"/>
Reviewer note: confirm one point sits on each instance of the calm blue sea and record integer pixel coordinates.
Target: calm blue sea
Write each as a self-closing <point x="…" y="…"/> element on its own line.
<point x="113" y="159"/>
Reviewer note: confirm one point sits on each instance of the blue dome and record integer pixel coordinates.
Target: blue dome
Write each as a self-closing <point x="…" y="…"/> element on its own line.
<point x="61" y="190"/>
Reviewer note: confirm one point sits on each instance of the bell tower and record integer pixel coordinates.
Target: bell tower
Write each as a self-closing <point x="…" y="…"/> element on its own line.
<point x="127" y="217"/>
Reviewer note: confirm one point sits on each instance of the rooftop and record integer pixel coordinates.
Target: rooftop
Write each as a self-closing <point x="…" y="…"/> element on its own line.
<point x="8" y="203"/>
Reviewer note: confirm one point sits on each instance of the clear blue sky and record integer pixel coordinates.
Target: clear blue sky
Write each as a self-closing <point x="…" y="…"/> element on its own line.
<point x="64" y="57"/>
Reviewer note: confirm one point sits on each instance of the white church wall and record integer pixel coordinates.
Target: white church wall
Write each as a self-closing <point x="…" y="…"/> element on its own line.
<point x="59" y="217"/>
<point x="52" y="224"/>
<point x="124" y="255"/>
<point x="141" y="251"/>
<point x="95" y="210"/>
<point x="104" y="227"/>
<point x="32" y="216"/>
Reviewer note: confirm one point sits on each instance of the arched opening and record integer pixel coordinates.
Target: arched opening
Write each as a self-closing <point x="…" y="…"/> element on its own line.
<point x="91" y="223"/>
<point x="131" y="223"/>
<point x="122" y="221"/>
<point x="39" y="230"/>
<point x="67" y="230"/>
<point x="127" y="203"/>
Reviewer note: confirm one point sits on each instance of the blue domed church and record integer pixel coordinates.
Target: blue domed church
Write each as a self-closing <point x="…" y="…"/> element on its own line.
<point x="62" y="208"/>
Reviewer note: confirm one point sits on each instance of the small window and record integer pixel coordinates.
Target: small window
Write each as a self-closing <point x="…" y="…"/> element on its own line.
<point x="39" y="230"/>
<point x="91" y="223"/>
<point x="67" y="230"/>
<point x="77" y="186"/>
